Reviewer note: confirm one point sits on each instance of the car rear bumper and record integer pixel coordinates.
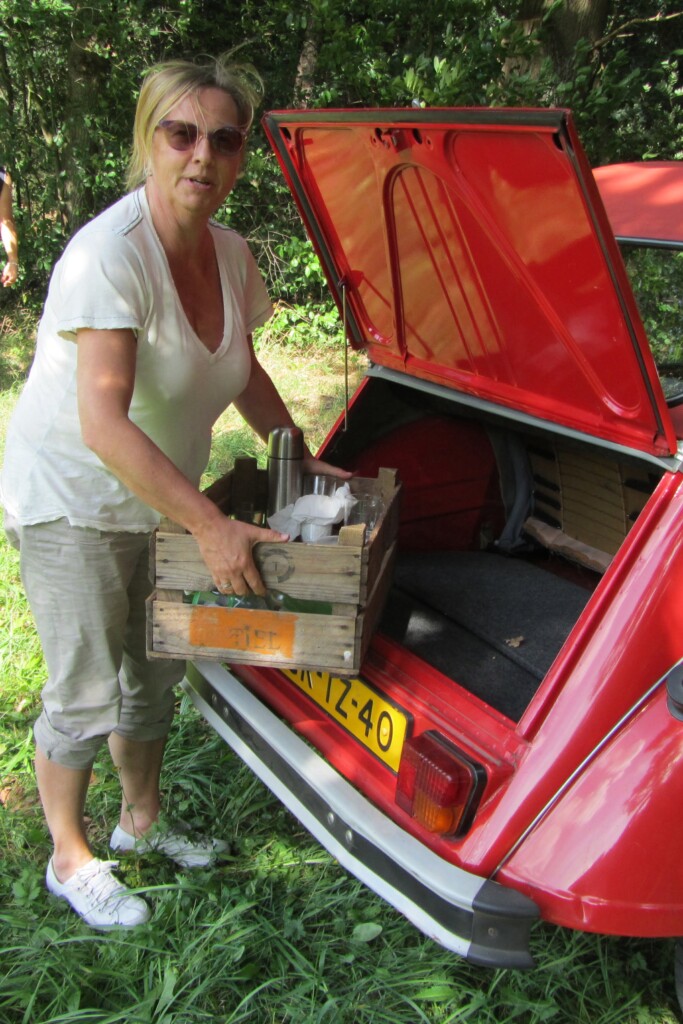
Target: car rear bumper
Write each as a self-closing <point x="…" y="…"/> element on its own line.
<point x="481" y="920"/>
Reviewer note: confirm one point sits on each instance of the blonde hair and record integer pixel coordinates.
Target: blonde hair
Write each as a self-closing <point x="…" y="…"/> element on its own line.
<point x="165" y="85"/>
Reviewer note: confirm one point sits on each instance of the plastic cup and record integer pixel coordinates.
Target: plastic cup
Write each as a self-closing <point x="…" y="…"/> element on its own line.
<point x="368" y="509"/>
<point x="313" y="532"/>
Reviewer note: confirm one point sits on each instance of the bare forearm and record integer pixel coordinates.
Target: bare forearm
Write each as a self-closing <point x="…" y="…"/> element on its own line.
<point x="225" y="544"/>
<point x="148" y="473"/>
<point x="261" y="405"/>
<point x="263" y="409"/>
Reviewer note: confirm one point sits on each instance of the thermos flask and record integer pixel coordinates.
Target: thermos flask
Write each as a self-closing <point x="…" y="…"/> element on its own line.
<point x="285" y="462"/>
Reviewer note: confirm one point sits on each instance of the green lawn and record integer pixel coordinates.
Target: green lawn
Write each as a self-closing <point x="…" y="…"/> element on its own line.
<point x="278" y="933"/>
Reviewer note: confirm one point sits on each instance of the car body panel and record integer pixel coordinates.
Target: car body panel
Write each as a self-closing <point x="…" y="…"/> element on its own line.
<point x="619" y="812"/>
<point x="475" y="250"/>
<point x="644" y="201"/>
<point x="634" y="619"/>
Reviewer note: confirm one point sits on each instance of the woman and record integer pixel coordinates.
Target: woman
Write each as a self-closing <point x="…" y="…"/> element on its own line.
<point x="8" y="231"/>
<point x="145" y="339"/>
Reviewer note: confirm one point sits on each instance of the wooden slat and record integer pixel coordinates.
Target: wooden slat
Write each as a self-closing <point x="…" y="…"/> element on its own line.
<point x="315" y="572"/>
<point x="376" y="601"/>
<point x="317" y="641"/>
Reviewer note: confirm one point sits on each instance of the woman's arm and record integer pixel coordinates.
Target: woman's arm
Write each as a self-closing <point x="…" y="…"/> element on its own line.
<point x="106" y="378"/>
<point x="8" y="234"/>
<point x="261" y="405"/>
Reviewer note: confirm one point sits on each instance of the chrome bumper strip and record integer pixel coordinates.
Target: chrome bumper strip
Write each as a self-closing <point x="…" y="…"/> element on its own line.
<point x="472" y="916"/>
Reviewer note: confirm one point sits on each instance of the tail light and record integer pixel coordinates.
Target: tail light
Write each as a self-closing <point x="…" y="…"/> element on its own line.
<point x="438" y="784"/>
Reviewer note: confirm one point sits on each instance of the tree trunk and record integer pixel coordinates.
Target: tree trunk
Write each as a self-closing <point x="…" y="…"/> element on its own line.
<point x="572" y="21"/>
<point x="305" y="72"/>
<point x="87" y="80"/>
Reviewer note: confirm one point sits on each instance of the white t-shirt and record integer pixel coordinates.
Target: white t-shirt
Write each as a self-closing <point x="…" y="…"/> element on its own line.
<point x="114" y="274"/>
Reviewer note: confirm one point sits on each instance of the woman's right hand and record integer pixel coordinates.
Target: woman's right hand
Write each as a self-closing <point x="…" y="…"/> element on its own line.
<point x="226" y="545"/>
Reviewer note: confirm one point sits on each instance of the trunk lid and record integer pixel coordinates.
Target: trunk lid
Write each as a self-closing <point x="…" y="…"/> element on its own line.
<point x="471" y="248"/>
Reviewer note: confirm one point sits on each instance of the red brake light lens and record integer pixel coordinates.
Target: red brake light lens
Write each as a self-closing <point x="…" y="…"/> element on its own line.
<point x="438" y="784"/>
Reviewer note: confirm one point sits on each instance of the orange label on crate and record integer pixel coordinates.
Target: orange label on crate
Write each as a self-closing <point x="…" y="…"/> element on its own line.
<point x="248" y="630"/>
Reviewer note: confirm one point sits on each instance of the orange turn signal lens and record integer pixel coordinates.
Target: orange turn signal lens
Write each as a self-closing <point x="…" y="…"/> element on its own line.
<point x="438" y="784"/>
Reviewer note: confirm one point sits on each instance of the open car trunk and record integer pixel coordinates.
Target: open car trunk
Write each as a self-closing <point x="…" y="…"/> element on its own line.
<point x="506" y="530"/>
<point x="507" y="746"/>
<point x="512" y="385"/>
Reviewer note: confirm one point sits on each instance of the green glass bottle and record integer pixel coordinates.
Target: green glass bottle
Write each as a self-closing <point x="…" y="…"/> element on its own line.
<point x="272" y="600"/>
<point x="284" y="602"/>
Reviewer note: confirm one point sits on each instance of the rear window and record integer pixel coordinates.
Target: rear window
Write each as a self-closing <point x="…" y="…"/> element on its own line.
<point x="656" y="276"/>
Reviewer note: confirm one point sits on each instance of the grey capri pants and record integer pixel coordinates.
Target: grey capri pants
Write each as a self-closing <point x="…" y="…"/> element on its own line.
<point x="87" y="591"/>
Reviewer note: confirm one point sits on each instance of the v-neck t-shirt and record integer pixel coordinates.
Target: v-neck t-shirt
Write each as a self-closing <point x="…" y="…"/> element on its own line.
<point x="113" y="275"/>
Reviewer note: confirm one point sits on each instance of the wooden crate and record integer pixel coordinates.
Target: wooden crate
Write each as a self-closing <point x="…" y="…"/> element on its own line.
<point x="353" y="576"/>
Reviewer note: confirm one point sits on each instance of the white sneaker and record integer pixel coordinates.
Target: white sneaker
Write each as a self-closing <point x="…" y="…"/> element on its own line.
<point x="98" y="896"/>
<point x="174" y="843"/>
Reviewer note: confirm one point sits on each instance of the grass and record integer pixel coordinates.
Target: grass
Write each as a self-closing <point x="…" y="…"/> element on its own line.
<point x="278" y="933"/>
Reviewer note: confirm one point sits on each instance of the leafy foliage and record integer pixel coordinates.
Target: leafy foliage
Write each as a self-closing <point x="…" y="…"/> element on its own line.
<point x="657" y="278"/>
<point x="69" y="84"/>
<point x="70" y="73"/>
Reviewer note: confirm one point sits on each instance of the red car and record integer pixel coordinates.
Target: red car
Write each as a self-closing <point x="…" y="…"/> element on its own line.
<point x="513" y="744"/>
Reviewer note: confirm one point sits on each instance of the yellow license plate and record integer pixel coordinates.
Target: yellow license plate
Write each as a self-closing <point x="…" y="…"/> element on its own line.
<point x="363" y="712"/>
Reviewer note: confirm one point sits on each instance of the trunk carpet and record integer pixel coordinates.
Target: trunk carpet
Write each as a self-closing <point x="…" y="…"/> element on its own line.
<point x="492" y="623"/>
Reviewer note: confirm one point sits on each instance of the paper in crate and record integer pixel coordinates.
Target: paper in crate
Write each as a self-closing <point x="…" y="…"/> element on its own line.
<point x="351" y="577"/>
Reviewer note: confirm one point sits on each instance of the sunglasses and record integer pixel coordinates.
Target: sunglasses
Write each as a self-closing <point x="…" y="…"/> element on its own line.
<point x="183" y="135"/>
